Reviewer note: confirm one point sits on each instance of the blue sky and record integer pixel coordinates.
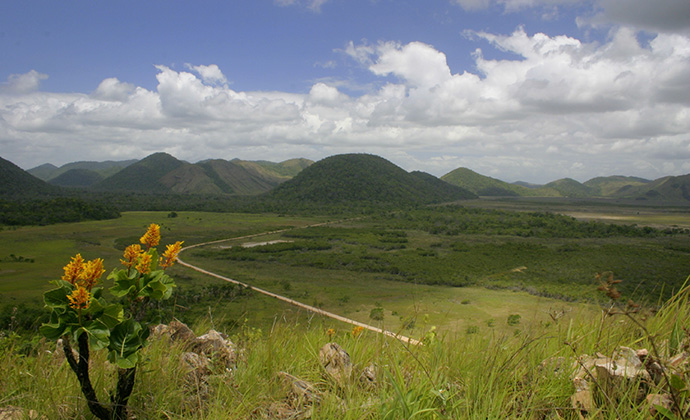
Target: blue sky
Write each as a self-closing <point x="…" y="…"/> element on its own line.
<point x="531" y="90"/>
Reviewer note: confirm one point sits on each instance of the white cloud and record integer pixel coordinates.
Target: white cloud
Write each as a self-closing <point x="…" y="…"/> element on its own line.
<point x="209" y="74"/>
<point x="563" y="107"/>
<point x="23" y="83"/>
<point x="112" y="89"/>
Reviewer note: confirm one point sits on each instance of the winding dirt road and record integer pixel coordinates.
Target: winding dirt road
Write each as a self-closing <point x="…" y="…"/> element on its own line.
<point x="310" y="308"/>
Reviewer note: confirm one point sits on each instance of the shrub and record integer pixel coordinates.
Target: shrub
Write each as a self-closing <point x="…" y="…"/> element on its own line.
<point x="80" y="314"/>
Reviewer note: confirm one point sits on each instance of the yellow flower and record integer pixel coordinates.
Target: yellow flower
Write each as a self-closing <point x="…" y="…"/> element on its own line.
<point x="93" y="270"/>
<point x="330" y="332"/>
<point x="80" y="298"/>
<point x="152" y="236"/>
<point x="131" y="255"/>
<point x="356" y="331"/>
<point x="170" y="255"/>
<point x="73" y="269"/>
<point x="144" y="265"/>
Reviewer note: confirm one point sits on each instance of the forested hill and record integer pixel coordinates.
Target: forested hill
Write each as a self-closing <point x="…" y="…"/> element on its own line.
<point x="15" y="182"/>
<point x="367" y="178"/>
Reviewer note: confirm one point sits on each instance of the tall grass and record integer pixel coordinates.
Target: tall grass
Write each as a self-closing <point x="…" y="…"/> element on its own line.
<point x="498" y="375"/>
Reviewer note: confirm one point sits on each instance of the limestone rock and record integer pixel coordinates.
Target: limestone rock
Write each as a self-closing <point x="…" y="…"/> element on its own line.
<point x="217" y="347"/>
<point x="179" y="331"/>
<point x="336" y="362"/>
<point x="368" y="376"/>
<point x="18" y="413"/>
<point x="662" y="400"/>
<point x="302" y="390"/>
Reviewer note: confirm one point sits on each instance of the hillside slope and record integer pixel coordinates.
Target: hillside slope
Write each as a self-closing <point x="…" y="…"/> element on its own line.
<point x="105" y="169"/>
<point x="365" y="178"/>
<point x="16" y="182"/>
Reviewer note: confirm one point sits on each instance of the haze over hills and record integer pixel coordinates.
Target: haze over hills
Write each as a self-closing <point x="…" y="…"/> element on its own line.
<point x="672" y="189"/>
<point x="48" y="172"/>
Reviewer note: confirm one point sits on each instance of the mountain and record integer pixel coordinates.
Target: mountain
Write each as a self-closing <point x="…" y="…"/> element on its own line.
<point x="482" y="185"/>
<point x="163" y="173"/>
<point x="105" y="169"/>
<point x="234" y="178"/>
<point x="568" y="187"/>
<point x="282" y="171"/>
<point x="16" y="182"/>
<point x="365" y="178"/>
<point x="674" y="189"/>
<point x="609" y="185"/>
<point x="142" y="176"/>
<point x="77" y="178"/>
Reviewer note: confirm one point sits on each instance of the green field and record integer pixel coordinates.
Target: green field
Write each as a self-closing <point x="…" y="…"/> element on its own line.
<point x="455" y="269"/>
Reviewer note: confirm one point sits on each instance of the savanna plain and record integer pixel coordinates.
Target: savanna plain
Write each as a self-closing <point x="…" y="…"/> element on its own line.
<point x="495" y="291"/>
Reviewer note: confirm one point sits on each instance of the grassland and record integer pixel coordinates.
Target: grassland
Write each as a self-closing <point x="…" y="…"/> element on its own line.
<point x="409" y="270"/>
<point x="492" y="299"/>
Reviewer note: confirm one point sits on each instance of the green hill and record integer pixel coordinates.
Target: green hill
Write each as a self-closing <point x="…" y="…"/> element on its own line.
<point x="105" y="169"/>
<point x="279" y="171"/>
<point x="365" y="178"/>
<point x="77" y="178"/>
<point x="16" y="182"/>
<point x="607" y="186"/>
<point x="483" y="185"/>
<point x="143" y="176"/>
<point x="673" y="189"/>
<point x="235" y="178"/>
<point x="568" y="187"/>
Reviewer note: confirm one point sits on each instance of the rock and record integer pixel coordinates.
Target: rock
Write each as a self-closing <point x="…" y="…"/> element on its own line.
<point x="160" y="331"/>
<point x="179" y="331"/>
<point x="336" y="362"/>
<point x="217" y="347"/>
<point x="368" y="376"/>
<point x="678" y="361"/>
<point x="302" y="390"/>
<point x="198" y="364"/>
<point x="662" y="400"/>
<point x="195" y="383"/>
<point x="283" y="411"/>
<point x="18" y="413"/>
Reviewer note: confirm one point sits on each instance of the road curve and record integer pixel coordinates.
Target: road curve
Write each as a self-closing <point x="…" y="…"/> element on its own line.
<point x="310" y="308"/>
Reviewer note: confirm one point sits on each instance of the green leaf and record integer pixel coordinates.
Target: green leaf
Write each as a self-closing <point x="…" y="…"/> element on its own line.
<point x="675" y="339"/>
<point x="677" y="382"/>
<point x="56" y="298"/>
<point x="99" y="334"/>
<point x="125" y="341"/>
<point x="665" y="412"/>
<point x="52" y="331"/>
<point x="123" y="284"/>
<point x="112" y="315"/>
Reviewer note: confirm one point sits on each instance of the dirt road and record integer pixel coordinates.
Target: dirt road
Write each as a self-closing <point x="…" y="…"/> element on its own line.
<point x="310" y="308"/>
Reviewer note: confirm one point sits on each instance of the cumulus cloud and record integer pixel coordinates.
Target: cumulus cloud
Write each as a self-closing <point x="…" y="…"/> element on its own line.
<point x="111" y="89"/>
<point x="560" y="107"/>
<point x="209" y="74"/>
<point x="23" y="83"/>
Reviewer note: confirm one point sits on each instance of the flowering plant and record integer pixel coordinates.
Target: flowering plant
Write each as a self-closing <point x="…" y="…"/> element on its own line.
<point x="81" y="314"/>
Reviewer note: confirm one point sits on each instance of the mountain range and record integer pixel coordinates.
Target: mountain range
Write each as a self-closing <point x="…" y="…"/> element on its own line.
<point x="340" y="178"/>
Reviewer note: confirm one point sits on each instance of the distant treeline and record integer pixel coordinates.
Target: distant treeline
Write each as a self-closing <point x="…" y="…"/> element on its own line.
<point x="453" y="220"/>
<point x="53" y="210"/>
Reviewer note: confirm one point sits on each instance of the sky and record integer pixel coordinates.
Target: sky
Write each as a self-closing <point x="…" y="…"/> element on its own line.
<point x="519" y="90"/>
